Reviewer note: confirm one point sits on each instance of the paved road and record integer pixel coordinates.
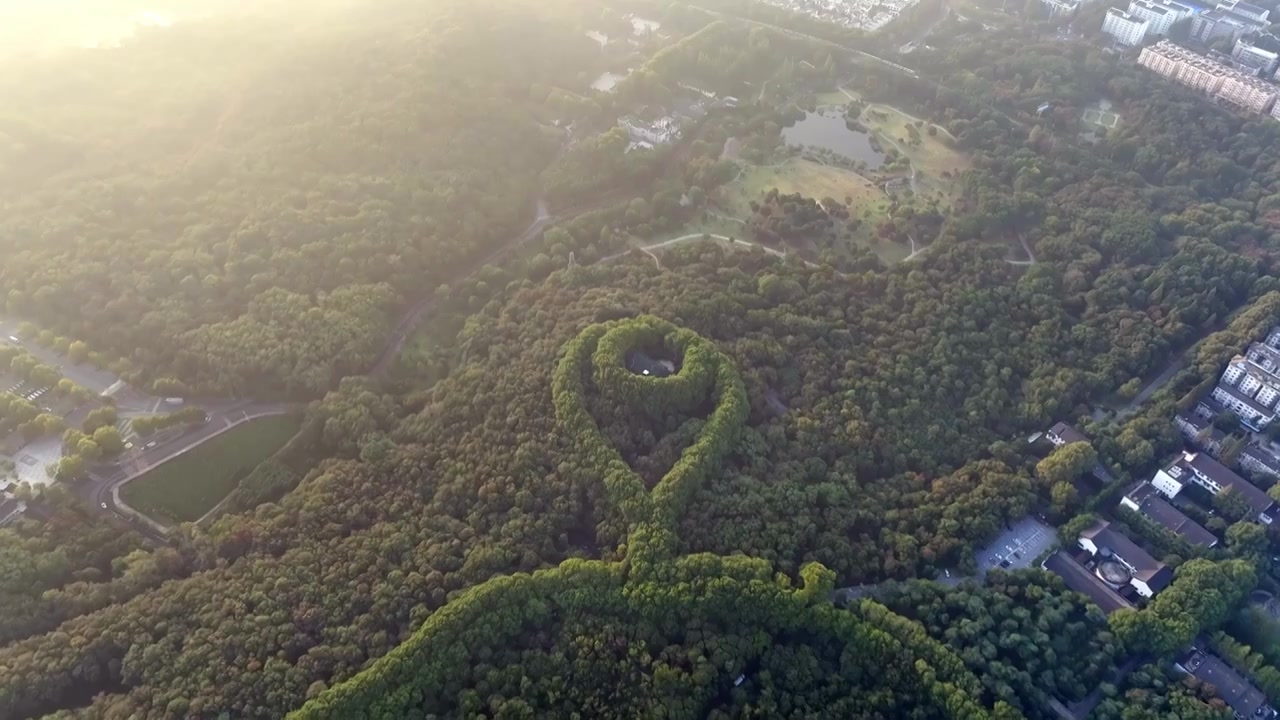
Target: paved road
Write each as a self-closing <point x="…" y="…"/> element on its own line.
<point x="101" y="489"/>
<point x="1173" y="368"/>
<point x="82" y="374"/>
<point x="414" y="315"/>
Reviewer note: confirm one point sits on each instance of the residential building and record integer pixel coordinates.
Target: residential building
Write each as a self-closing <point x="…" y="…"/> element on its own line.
<point x="1215" y="477"/>
<point x="1250" y="386"/>
<point x="1183" y="66"/>
<point x="1207" y="27"/>
<point x="1249" y="55"/>
<point x="1126" y="27"/>
<point x="1248" y="92"/>
<point x="866" y="15"/>
<point x="1200" y="432"/>
<point x="1243" y="698"/>
<point x="1160" y="15"/>
<point x="1146" y="574"/>
<point x="1259" y="461"/>
<point x="1063" y="434"/>
<point x="10" y="510"/>
<point x="664" y="130"/>
<point x="1249" y="10"/>
<point x="1060" y="8"/>
<point x="1163" y="58"/>
<point x="1078" y="578"/>
<point x="1145" y="500"/>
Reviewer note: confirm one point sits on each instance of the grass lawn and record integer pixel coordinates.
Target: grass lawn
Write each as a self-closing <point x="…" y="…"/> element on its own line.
<point x="835" y="97"/>
<point x="816" y="181"/>
<point x="187" y="487"/>
<point x="807" y="178"/>
<point x="932" y="157"/>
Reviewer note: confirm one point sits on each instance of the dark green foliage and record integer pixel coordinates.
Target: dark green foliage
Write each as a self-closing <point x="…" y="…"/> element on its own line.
<point x="1023" y="637"/>
<point x="1158" y="692"/>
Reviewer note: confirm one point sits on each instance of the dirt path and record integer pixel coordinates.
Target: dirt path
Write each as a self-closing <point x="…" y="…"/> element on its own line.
<point x="1031" y="257"/>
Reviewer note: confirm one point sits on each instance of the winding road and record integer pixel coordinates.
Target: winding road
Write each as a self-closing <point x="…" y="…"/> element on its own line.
<point x="414" y="316"/>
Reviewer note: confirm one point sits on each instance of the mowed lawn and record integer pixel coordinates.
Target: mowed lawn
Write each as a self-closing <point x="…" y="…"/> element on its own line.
<point x="933" y="156"/>
<point x="811" y="179"/>
<point x="187" y="487"/>
<point x="808" y="178"/>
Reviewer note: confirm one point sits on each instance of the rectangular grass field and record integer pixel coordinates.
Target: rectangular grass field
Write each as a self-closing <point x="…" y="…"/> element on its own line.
<point x="188" y="486"/>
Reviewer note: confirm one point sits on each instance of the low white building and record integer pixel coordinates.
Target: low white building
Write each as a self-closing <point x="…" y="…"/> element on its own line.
<point x="1215" y="477"/>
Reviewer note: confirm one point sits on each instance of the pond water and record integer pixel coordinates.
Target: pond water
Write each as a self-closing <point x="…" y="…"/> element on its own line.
<point x="607" y="81"/>
<point x="640" y="26"/>
<point x="827" y="130"/>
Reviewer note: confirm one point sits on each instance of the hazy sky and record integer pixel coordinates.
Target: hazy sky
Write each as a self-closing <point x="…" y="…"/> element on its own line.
<point x="47" y="25"/>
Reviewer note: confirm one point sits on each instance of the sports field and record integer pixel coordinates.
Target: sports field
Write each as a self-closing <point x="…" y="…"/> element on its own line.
<point x="187" y="487"/>
<point x="1104" y="118"/>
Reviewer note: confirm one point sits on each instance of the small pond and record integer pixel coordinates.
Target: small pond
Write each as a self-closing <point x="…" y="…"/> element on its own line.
<point x="827" y="130"/>
<point x="607" y="81"/>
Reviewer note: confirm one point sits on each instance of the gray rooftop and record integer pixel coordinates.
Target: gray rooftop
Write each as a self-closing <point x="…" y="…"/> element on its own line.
<point x="1258" y="500"/>
<point x="1067" y="433"/>
<point x="1232" y="687"/>
<point x="1145" y="568"/>
<point x="1155" y="508"/>
<point x="1078" y="578"/>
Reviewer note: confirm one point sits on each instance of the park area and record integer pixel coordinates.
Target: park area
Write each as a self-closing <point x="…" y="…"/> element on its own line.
<point x="1105" y="118"/>
<point x="865" y="200"/>
<point x="937" y="162"/>
<point x="190" y="485"/>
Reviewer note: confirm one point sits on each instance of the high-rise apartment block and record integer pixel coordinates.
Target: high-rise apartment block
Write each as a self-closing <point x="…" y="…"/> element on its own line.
<point x="1208" y="76"/>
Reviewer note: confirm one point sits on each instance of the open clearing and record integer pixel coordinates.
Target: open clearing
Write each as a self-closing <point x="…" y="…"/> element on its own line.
<point x="187" y="487"/>
<point x="867" y="201"/>
<point x="836" y="97"/>
<point x="807" y="178"/>
<point x="932" y="157"/>
<point x="1104" y="118"/>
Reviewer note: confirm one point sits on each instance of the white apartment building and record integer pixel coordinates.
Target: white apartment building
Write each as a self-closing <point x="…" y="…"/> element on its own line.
<point x="1247" y="92"/>
<point x="1156" y="59"/>
<point x="1058" y="8"/>
<point x="1215" y="477"/>
<point x="1254" y="57"/>
<point x="1159" y="14"/>
<point x="1249" y="10"/>
<point x="1127" y="28"/>
<point x="1250" y="386"/>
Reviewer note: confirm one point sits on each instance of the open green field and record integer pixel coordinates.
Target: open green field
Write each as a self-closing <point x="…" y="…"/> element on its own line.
<point x="932" y="157"/>
<point x="807" y="178"/>
<point x="187" y="487"/>
<point x="865" y="199"/>
<point x="836" y="97"/>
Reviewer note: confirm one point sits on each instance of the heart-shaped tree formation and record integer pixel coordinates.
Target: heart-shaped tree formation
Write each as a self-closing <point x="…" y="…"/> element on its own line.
<point x="656" y="635"/>
<point x="598" y="356"/>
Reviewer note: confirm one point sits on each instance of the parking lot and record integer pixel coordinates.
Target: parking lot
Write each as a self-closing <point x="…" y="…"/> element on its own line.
<point x="1017" y="548"/>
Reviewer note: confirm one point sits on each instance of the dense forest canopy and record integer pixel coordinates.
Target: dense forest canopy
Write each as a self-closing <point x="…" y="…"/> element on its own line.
<point x="251" y="223"/>
<point x="174" y="200"/>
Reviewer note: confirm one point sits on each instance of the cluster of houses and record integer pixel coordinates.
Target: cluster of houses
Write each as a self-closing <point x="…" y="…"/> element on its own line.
<point x="649" y="127"/>
<point x="1116" y="573"/>
<point x="866" y="15"/>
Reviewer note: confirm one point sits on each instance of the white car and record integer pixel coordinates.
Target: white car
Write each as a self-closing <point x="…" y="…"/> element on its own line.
<point x="104" y="506"/>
